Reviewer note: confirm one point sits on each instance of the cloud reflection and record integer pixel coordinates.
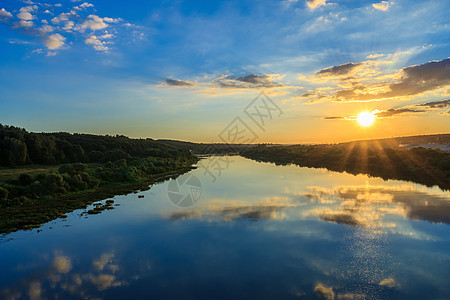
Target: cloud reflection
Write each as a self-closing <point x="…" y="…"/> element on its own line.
<point x="231" y="210"/>
<point x="377" y="207"/>
<point x="372" y="205"/>
<point x="65" y="281"/>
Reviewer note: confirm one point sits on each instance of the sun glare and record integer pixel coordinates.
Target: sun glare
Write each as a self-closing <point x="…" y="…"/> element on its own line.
<point x="365" y="118"/>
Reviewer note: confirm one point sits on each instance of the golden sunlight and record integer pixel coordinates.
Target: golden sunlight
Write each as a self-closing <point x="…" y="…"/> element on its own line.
<point x="365" y="118"/>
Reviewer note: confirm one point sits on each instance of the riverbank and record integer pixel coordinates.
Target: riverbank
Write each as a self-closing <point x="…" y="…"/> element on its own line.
<point x="384" y="159"/>
<point x="34" y="214"/>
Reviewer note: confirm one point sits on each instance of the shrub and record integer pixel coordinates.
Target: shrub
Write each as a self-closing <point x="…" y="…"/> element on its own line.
<point x="25" y="179"/>
<point x="95" y="156"/>
<point x="19" y="201"/>
<point x="80" y="167"/>
<point x="3" y="194"/>
<point x="121" y="163"/>
<point x="66" y="169"/>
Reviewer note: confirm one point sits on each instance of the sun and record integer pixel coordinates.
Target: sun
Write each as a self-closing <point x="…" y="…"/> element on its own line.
<point x="365" y="118"/>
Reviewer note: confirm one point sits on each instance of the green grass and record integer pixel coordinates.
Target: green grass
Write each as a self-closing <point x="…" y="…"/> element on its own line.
<point x="7" y="173"/>
<point x="38" y="212"/>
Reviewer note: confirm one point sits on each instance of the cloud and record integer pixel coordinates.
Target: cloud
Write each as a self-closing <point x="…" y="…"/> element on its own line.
<point x="248" y="81"/>
<point x="96" y="43"/>
<point x="31" y="8"/>
<point x="396" y="111"/>
<point x="45" y="29"/>
<point x="323" y="23"/>
<point x="389" y="282"/>
<point x="94" y="22"/>
<point x="338" y="70"/>
<point x="441" y="104"/>
<point x="334" y="118"/>
<point x="5" y="16"/>
<point x="411" y="81"/>
<point x="313" y="4"/>
<point x="373" y="206"/>
<point x="34" y="291"/>
<point x="104" y="259"/>
<point x="23" y="15"/>
<point x="74" y="21"/>
<point x="62" y="264"/>
<point x="68" y="25"/>
<point x="23" y="24"/>
<point x="176" y="82"/>
<point x="84" y="5"/>
<point x="340" y="218"/>
<point x="54" y="41"/>
<point x="383" y="5"/>
<point x="324" y="292"/>
<point x="61" y="17"/>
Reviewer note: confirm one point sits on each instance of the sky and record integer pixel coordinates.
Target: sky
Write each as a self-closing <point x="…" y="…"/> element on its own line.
<point x="275" y="71"/>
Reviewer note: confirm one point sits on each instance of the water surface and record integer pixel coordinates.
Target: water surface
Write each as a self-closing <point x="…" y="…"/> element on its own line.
<point x="259" y="231"/>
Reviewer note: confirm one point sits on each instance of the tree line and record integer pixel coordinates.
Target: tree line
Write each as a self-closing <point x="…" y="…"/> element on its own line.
<point x="381" y="158"/>
<point x="20" y="147"/>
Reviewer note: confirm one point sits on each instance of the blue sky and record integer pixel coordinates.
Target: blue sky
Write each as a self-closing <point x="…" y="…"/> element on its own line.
<point x="186" y="69"/>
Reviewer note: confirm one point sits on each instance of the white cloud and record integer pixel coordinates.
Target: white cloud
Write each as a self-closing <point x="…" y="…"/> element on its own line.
<point x="45" y="29"/>
<point x="96" y="43"/>
<point x="313" y="4"/>
<point x="58" y="5"/>
<point x="32" y="8"/>
<point x="54" y="41"/>
<point x="72" y="21"/>
<point x="68" y="25"/>
<point x="25" y="16"/>
<point x="111" y="20"/>
<point x="5" y="15"/>
<point x="86" y="5"/>
<point x="25" y="13"/>
<point x="383" y="5"/>
<point x="94" y="22"/>
<point x="62" y="17"/>
<point x="23" y="24"/>
<point x="107" y="36"/>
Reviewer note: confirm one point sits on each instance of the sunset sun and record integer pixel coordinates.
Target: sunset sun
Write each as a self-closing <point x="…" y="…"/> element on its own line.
<point x="365" y="118"/>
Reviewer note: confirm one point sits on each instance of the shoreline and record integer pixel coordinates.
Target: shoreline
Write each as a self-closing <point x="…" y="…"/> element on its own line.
<point x="33" y="215"/>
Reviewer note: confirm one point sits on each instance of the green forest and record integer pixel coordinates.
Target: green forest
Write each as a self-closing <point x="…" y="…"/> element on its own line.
<point x="77" y="169"/>
<point x="381" y="158"/>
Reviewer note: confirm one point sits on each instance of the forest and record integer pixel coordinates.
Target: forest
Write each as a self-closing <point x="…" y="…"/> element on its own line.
<point x="77" y="169"/>
<point x="19" y="147"/>
<point x="381" y="158"/>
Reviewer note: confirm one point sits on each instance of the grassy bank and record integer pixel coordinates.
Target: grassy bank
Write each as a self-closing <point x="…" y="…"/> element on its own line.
<point x="37" y="212"/>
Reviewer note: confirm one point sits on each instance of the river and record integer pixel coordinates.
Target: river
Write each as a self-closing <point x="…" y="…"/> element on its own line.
<point x="252" y="231"/>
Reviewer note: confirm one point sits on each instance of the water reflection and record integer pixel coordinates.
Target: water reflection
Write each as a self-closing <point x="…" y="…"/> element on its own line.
<point x="372" y="206"/>
<point x="231" y="210"/>
<point x="260" y="232"/>
<point x="64" y="280"/>
<point x="377" y="207"/>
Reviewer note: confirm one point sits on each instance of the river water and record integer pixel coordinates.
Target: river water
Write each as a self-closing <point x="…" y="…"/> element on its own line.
<point x="250" y="231"/>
